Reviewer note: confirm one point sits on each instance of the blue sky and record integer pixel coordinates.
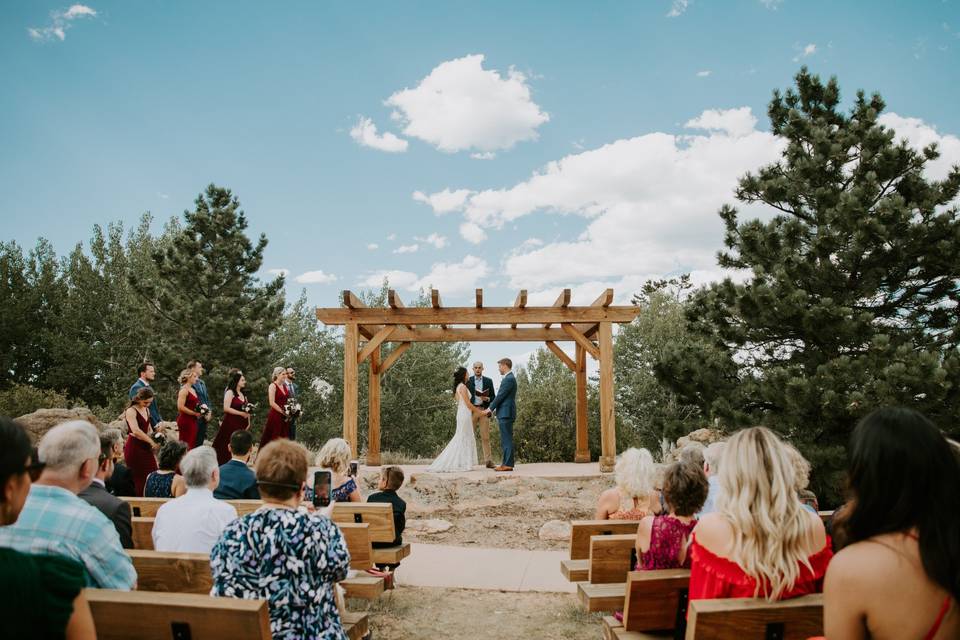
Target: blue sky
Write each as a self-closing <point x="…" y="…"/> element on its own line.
<point x="647" y="110"/>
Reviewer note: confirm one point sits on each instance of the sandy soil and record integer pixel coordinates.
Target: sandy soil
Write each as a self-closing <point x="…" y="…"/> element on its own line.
<point x="409" y="613"/>
<point x="506" y="512"/>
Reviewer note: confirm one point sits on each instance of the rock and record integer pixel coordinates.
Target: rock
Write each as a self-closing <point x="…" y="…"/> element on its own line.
<point x="555" y="530"/>
<point x="704" y="436"/>
<point x="428" y="526"/>
<point x="42" y="420"/>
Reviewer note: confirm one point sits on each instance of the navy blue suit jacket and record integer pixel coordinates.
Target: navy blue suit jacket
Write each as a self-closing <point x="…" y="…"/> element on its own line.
<point x="237" y="482"/>
<point x="504" y="406"/>
<point x="154" y="410"/>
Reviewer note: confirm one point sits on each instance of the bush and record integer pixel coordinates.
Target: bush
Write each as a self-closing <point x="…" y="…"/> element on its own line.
<point x="21" y="399"/>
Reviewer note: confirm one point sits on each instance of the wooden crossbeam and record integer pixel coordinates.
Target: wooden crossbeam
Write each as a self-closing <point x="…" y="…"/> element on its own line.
<point x="605" y="299"/>
<point x="471" y="315"/>
<point x="497" y="334"/>
<point x="374" y="343"/>
<point x="580" y="339"/>
<point x="519" y="303"/>
<point x="560" y="353"/>
<point x="435" y="303"/>
<point x="563" y="301"/>
<point x="351" y="301"/>
<point x="394" y="356"/>
<point x="479" y="301"/>
<point x="396" y="303"/>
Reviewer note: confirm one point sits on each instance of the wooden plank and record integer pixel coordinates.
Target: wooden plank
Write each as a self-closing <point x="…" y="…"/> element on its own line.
<point x="351" y="387"/>
<point x="794" y="619"/>
<point x="653" y="599"/>
<point x="581" y="340"/>
<point x="351" y="301"/>
<point x="147" y="615"/>
<point x="582" y="530"/>
<point x="374" y="343"/>
<point x="363" y="586"/>
<point x="472" y="315"/>
<point x="394" y="356"/>
<point x="605" y="299"/>
<point x="608" y="436"/>
<point x="560" y="353"/>
<point x="612" y="558"/>
<point x="575" y="570"/>
<point x="147" y="507"/>
<point x="396" y="303"/>
<point x="359" y="544"/>
<point x="373" y="411"/>
<point x="391" y="555"/>
<point x="519" y="303"/>
<point x="583" y="446"/>
<point x="172" y="572"/>
<point x="142" y="533"/>
<point x="562" y="301"/>
<point x="355" y="624"/>
<point x="378" y="515"/>
<point x="479" y="305"/>
<point x="601" y="597"/>
<point x="435" y="303"/>
<point x="465" y="334"/>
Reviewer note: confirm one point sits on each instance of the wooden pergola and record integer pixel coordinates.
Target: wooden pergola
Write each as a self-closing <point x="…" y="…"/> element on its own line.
<point x="366" y="329"/>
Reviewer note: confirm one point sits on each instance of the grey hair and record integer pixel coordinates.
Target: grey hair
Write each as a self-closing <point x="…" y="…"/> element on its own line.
<point x="113" y="436"/>
<point x="198" y="466"/>
<point x="692" y="454"/>
<point x="68" y="445"/>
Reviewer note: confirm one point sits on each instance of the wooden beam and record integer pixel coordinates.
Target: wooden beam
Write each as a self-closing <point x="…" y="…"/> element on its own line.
<point x="396" y="303"/>
<point x="519" y="303"/>
<point x="479" y="301"/>
<point x="581" y="340"/>
<point x="472" y="315"/>
<point x="608" y="434"/>
<point x="351" y="388"/>
<point x="605" y="299"/>
<point x="373" y="414"/>
<point x="394" y="356"/>
<point x="563" y="301"/>
<point x="435" y="303"/>
<point x="499" y="334"/>
<point x="583" y="445"/>
<point x="567" y="360"/>
<point x="351" y="301"/>
<point x="375" y="342"/>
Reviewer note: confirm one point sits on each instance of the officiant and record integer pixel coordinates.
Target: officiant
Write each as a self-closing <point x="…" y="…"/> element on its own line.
<point x="481" y="393"/>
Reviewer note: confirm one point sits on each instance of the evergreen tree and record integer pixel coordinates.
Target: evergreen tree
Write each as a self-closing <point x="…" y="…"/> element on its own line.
<point x="852" y="290"/>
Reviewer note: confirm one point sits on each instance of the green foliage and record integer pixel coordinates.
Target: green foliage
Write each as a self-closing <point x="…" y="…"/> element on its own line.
<point x="852" y="290"/>
<point x="21" y="399"/>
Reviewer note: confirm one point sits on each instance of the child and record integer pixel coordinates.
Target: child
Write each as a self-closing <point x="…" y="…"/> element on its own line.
<point x="391" y="479"/>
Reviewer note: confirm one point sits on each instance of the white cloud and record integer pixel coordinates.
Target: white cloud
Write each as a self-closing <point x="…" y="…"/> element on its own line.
<point x="435" y="240"/>
<point x="443" y="201"/>
<point x="447" y="277"/>
<point x="808" y="51"/>
<point x="678" y="8"/>
<point x="279" y="272"/>
<point x="316" y="277"/>
<point x="460" y="106"/>
<point x="407" y="248"/>
<point x="373" y="246"/>
<point x="486" y="155"/>
<point x="471" y="232"/>
<point x="704" y="73"/>
<point x="735" y="122"/>
<point x="60" y="21"/>
<point x="397" y="279"/>
<point x="771" y="4"/>
<point x="392" y="237"/>
<point x="365" y="134"/>
<point x="919" y="134"/>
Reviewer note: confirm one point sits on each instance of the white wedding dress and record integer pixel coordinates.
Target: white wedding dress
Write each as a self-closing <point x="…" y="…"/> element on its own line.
<point x="460" y="454"/>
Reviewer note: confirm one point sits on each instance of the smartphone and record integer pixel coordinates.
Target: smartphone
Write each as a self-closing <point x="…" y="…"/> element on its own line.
<point x="354" y="467"/>
<point x="321" y="488"/>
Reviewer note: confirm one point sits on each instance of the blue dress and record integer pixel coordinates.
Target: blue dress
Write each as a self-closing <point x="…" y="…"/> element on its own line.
<point x="290" y="558"/>
<point x="159" y="485"/>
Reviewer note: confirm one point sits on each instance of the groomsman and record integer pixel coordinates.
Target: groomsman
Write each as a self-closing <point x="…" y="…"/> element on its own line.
<point x="292" y="393"/>
<point x="146" y="372"/>
<point x="200" y="388"/>
<point x="481" y="393"/>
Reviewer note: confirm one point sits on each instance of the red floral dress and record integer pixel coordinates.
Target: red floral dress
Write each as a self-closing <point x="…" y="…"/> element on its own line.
<point x="668" y="537"/>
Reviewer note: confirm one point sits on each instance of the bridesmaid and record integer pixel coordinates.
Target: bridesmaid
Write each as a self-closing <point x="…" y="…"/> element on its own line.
<point x="187" y="403"/>
<point x="277" y="426"/>
<point x="139" y="448"/>
<point x="234" y="417"/>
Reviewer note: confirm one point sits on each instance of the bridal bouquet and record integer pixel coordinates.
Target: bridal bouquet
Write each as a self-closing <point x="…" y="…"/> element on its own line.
<point x="204" y="412"/>
<point x="292" y="409"/>
<point x="159" y="437"/>
<point x="248" y="407"/>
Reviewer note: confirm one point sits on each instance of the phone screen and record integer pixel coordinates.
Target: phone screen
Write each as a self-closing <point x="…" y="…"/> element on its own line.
<point x="321" y="488"/>
<point x="354" y="467"/>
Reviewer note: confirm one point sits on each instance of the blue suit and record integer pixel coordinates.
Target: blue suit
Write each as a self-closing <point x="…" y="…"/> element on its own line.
<point x="200" y="388"/>
<point x="237" y="482"/>
<point x="504" y="406"/>
<point x="154" y="411"/>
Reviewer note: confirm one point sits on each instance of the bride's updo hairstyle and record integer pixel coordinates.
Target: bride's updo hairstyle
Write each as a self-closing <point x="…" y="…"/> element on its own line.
<point x="459" y="376"/>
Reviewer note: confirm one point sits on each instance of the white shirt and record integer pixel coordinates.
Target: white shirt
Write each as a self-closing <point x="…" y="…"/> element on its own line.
<point x="191" y="523"/>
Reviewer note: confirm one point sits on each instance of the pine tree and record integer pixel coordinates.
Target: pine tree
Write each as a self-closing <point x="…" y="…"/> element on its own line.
<point x="851" y="297"/>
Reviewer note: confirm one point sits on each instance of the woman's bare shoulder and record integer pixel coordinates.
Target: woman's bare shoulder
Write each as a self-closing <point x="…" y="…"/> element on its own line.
<point x="714" y="532"/>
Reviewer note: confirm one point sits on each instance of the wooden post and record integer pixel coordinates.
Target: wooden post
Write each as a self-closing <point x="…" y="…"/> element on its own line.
<point x="351" y="388"/>
<point x="583" y="445"/>
<point x="608" y="436"/>
<point x="373" y="417"/>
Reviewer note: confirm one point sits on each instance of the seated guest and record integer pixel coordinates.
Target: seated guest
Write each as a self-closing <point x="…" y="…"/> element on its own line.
<point x="237" y="480"/>
<point x="283" y="554"/>
<point x="801" y="471"/>
<point x="117" y="510"/>
<point x="391" y="479"/>
<point x="120" y="483"/>
<point x="41" y="596"/>
<point x="193" y="522"/>
<point x="760" y="542"/>
<point x="335" y="457"/>
<point x="165" y="482"/>
<point x="662" y="540"/>
<point x="633" y="498"/>
<point x="54" y="521"/>
<point x="693" y="454"/>
<point x="899" y="574"/>
<point x="711" y="466"/>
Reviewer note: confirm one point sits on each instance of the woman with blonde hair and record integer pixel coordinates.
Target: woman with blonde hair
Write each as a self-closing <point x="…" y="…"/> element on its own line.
<point x="335" y="457"/>
<point x="633" y="498"/>
<point x="188" y="404"/>
<point x="760" y="542"/>
<point x="277" y="425"/>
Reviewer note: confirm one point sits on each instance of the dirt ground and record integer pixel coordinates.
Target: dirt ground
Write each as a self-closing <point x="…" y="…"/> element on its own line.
<point x="504" y="513"/>
<point x="413" y="613"/>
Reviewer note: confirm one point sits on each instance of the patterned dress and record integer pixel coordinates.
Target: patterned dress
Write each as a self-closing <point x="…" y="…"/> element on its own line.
<point x="290" y="558"/>
<point x="668" y="537"/>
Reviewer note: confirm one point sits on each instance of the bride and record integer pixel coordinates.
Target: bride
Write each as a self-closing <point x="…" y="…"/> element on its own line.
<point x="461" y="452"/>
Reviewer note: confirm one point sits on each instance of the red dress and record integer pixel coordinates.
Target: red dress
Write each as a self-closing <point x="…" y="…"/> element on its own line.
<point x="139" y="455"/>
<point x="668" y="535"/>
<point x="276" y="426"/>
<point x="714" y="577"/>
<point x="188" y="424"/>
<point x="230" y="424"/>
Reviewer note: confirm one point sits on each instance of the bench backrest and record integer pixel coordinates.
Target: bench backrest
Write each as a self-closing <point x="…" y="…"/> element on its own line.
<point x="795" y="619"/>
<point x="147" y="507"/>
<point x="121" y="615"/>
<point x="142" y="532"/>
<point x="172" y="572"/>
<point x="582" y="530"/>
<point x="612" y="558"/>
<point x="379" y="515"/>
<point x="656" y="600"/>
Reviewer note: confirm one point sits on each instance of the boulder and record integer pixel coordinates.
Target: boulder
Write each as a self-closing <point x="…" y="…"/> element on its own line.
<point x="428" y="526"/>
<point x="42" y="420"/>
<point x="555" y="530"/>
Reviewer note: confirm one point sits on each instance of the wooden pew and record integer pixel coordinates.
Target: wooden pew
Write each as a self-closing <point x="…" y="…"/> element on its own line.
<point x="147" y="507"/>
<point x="577" y="568"/>
<point x="795" y="619"/>
<point x="380" y="518"/>
<point x="612" y="558"/>
<point x="142" y="532"/>
<point x="654" y="601"/>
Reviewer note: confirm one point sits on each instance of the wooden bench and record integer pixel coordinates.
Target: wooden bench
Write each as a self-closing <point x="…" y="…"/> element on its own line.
<point x="642" y="591"/>
<point x="612" y="558"/>
<point x="379" y="516"/>
<point x="147" y="507"/>
<point x="577" y="568"/>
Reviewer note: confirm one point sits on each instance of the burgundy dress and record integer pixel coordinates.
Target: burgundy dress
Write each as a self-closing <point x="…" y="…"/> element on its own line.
<point x="230" y="424"/>
<point x="668" y="536"/>
<point x="276" y="426"/>
<point x="188" y="424"/>
<point x="139" y="455"/>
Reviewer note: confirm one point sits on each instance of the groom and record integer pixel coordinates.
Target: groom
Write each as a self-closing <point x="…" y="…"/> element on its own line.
<point x="506" y="411"/>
